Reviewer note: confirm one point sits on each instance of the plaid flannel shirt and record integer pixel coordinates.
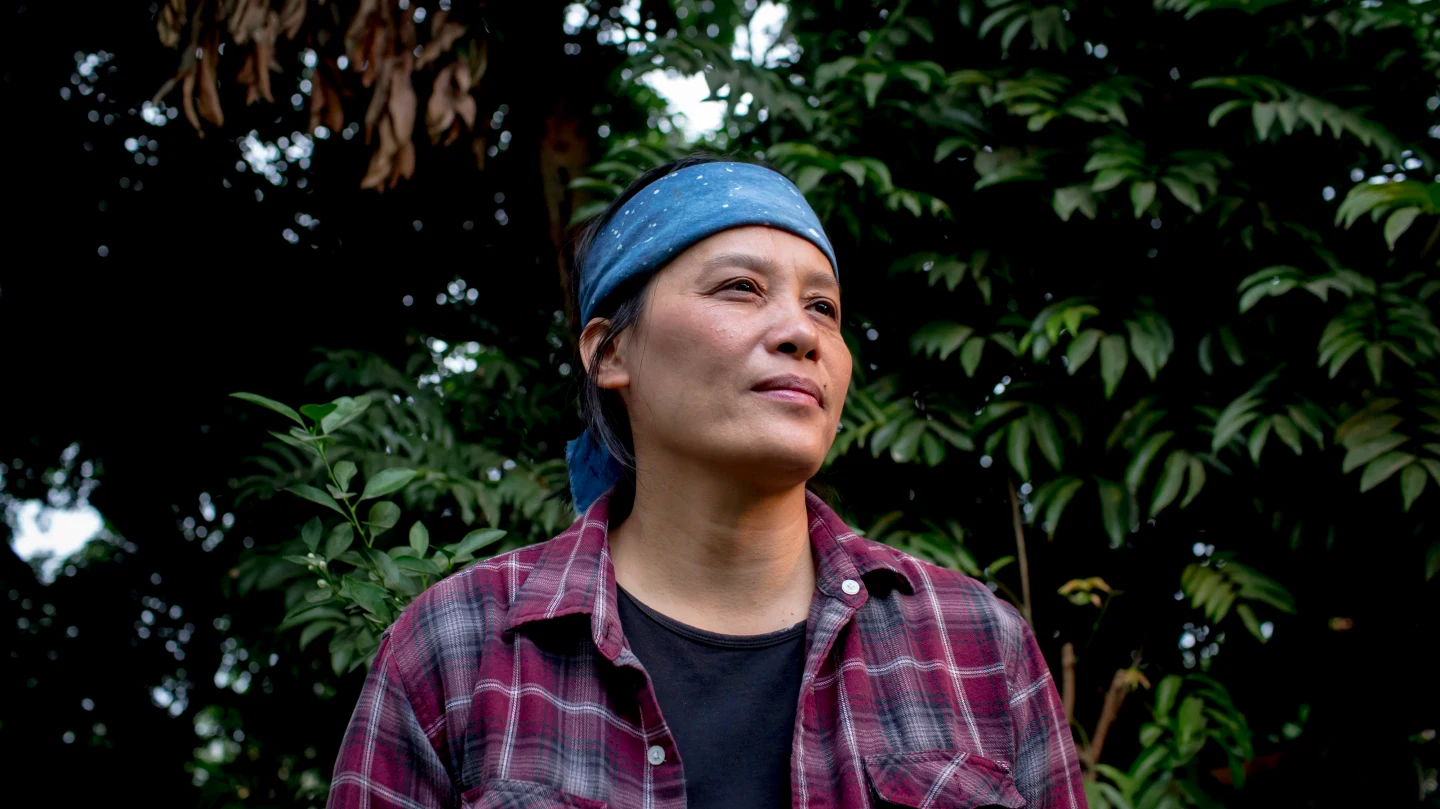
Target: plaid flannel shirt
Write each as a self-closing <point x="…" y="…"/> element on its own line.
<point x="511" y="684"/>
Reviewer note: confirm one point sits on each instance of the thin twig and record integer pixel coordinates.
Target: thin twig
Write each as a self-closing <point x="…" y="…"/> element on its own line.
<point x="1067" y="680"/>
<point x="1119" y="688"/>
<point x="1020" y="552"/>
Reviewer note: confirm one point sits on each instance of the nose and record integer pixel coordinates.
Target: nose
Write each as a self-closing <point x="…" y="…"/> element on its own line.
<point x="796" y="334"/>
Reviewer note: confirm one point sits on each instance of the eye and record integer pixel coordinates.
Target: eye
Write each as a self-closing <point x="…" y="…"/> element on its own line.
<point x="827" y="309"/>
<point x="742" y="286"/>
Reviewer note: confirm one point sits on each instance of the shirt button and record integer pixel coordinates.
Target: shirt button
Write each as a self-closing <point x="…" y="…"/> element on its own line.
<point x="655" y="755"/>
<point x="850" y="586"/>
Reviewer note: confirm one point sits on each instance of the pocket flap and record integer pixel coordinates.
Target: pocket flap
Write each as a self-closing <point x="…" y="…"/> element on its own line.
<point x="942" y="778"/>
<point x="506" y="794"/>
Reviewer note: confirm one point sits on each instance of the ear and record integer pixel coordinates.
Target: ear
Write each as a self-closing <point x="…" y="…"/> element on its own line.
<point x="612" y="374"/>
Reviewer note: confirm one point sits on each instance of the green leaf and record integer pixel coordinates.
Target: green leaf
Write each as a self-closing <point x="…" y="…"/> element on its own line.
<point x="1258" y="435"/>
<point x="1186" y="193"/>
<point x="344" y="473"/>
<point x="588" y="211"/>
<point x="1375" y="358"/>
<point x="1247" y="616"/>
<point x="1047" y="437"/>
<point x="1113" y="358"/>
<point x="383" y="516"/>
<point x="424" y="567"/>
<point x="315" y="630"/>
<point x="932" y="449"/>
<point x="341" y="536"/>
<point x="1256" y="293"/>
<point x="941" y="337"/>
<point x="305" y="613"/>
<point x="855" y="169"/>
<point x="948" y="146"/>
<point x="809" y="177"/>
<point x="1304" y="422"/>
<point x="1135" y="472"/>
<point x="311" y="532"/>
<point x="880" y="173"/>
<point x="1081" y="348"/>
<point x="1055" y="507"/>
<point x="1165" y="694"/>
<point x="346" y="410"/>
<point x="1225" y="109"/>
<point x="953" y="436"/>
<point x="315" y="495"/>
<point x="474" y="541"/>
<point x="1286" y="431"/>
<point x="390" y="573"/>
<point x="1370" y="449"/>
<point x="971" y="353"/>
<point x="387" y="481"/>
<point x="316" y="412"/>
<point x="371" y="597"/>
<point x="873" y="82"/>
<point x="419" y="538"/>
<point x="271" y="404"/>
<point x="291" y="440"/>
<point x="1072" y="198"/>
<point x="1141" y="195"/>
<point x="1171" y="478"/>
<point x="1018" y="448"/>
<point x="1113" y="510"/>
<point x="1264" y="114"/>
<point x="830" y="71"/>
<point x="1412" y="483"/>
<point x="1197" y="481"/>
<point x="1232" y="346"/>
<point x="1383" y="467"/>
<point x="1145" y="348"/>
<point x="1398" y="223"/>
<point x="903" y="450"/>
<point x="1206" y="363"/>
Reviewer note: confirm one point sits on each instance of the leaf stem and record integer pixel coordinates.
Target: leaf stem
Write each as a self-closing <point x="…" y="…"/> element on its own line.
<point x="1021" y="554"/>
<point x="354" y="520"/>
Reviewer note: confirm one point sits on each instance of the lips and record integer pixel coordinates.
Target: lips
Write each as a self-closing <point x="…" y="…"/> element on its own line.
<point x="793" y="384"/>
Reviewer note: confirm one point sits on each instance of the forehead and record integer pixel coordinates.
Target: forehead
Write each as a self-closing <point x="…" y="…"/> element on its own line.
<point x="761" y="249"/>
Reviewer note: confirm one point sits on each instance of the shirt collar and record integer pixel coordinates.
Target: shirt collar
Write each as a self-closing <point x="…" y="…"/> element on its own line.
<point x="573" y="574"/>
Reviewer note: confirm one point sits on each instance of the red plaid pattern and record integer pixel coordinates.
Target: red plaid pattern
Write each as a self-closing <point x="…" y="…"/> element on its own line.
<point x="511" y="684"/>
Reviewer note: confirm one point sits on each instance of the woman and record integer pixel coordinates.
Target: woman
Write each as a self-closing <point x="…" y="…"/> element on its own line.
<point x="708" y="633"/>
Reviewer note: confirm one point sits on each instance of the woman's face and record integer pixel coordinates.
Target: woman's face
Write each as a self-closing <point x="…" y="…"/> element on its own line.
<point x="737" y="361"/>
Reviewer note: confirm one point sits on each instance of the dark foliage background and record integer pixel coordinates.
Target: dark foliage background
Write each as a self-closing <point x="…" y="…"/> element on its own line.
<point x="959" y="154"/>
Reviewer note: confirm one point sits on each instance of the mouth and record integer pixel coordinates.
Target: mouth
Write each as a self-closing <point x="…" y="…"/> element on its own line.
<point x="792" y="388"/>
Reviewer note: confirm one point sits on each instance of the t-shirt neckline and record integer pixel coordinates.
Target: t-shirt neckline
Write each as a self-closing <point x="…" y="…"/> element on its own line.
<point x="709" y="638"/>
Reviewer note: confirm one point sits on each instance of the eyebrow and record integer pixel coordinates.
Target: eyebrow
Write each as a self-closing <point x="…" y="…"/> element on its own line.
<point x="762" y="264"/>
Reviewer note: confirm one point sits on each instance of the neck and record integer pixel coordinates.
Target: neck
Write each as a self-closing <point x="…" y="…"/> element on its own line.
<point x="715" y="555"/>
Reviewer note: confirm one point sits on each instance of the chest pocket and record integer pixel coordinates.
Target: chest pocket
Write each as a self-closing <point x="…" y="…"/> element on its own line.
<point x="503" y="794"/>
<point x="942" y="778"/>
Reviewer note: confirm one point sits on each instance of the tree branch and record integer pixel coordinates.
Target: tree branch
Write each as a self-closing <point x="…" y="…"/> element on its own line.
<point x="1119" y="688"/>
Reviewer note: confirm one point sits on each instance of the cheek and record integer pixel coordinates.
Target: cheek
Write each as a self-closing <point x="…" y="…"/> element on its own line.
<point x="838" y="364"/>
<point x="696" y="344"/>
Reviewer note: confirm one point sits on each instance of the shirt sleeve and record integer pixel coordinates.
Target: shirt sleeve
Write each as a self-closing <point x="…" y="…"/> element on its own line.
<point x="1046" y="769"/>
<point x="386" y="759"/>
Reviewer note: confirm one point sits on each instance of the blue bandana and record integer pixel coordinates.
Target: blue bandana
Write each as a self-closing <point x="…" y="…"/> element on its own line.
<point x="656" y="225"/>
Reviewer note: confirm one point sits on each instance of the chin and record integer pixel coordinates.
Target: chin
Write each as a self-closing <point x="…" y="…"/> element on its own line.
<point x="782" y="458"/>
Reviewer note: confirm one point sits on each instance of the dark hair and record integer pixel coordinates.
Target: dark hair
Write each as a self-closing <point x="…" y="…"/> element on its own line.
<point x="602" y="410"/>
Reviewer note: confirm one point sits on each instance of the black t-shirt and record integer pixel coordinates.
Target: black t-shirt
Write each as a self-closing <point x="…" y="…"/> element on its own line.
<point x="729" y="701"/>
